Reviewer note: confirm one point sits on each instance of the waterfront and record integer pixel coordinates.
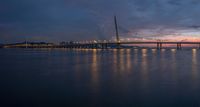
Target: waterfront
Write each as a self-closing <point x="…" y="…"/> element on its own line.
<point x="100" y="78"/>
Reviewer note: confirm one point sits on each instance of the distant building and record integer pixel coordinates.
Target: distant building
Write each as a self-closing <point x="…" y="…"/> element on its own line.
<point x="28" y="44"/>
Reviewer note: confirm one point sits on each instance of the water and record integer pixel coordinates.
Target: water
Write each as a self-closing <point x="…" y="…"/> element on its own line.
<point x="100" y="78"/>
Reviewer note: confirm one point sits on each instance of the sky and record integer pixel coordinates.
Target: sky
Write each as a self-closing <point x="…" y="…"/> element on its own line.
<point x="79" y="20"/>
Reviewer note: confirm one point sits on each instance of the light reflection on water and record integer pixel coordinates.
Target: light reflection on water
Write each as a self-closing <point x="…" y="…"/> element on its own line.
<point x="144" y="67"/>
<point x="94" y="70"/>
<point x="121" y="63"/>
<point x="95" y="77"/>
<point x="128" y="60"/>
<point x="195" y="68"/>
<point x="174" y="65"/>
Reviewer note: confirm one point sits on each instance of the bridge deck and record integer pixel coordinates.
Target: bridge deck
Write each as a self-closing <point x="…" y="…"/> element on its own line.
<point x="141" y="43"/>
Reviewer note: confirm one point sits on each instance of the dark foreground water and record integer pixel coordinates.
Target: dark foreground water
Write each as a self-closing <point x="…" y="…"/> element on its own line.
<point x="100" y="78"/>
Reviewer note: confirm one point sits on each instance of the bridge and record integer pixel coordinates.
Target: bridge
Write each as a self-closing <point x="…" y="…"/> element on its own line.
<point x="118" y="45"/>
<point x="101" y="44"/>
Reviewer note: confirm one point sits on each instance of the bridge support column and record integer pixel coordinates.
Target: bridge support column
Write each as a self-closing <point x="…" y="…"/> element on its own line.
<point x="157" y="45"/>
<point x="160" y="45"/>
<point x="199" y="45"/>
<point x="106" y="46"/>
<point x="95" y="46"/>
<point x="92" y="46"/>
<point x="88" y="46"/>
<point x="118" y="45"/>
<point x="179" y="46"/>
<point x="101" y="45"/>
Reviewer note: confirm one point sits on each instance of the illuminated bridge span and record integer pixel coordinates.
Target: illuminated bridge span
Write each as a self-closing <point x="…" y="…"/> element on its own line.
<point x="101" y="45"/>
<point x="105" y="45"/>
<point x="119" y="44"/>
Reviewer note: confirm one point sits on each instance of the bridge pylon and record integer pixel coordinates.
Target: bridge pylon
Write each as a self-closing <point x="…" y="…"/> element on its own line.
<point x="117" y="33"/>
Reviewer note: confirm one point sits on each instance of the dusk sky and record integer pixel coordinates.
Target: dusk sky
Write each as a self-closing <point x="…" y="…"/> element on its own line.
<point x="65" y="20"/>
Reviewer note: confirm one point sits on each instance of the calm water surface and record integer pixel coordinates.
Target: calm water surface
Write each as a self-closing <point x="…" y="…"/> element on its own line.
<point x="100" y="78"/>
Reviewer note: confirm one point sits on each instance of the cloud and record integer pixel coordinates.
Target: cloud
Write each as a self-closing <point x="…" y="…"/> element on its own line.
<point x="58" y="20"/>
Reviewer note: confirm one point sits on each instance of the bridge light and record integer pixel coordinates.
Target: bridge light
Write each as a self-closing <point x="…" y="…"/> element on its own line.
<point x="95" y="41"/>
<point x="118" y="41"/>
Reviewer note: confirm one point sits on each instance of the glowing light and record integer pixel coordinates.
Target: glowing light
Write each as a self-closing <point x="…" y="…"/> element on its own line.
<point x="163" y="50"/>
<point x="95" y="41"/>
<point x="144" y="51"/>
<point x="154" y="50"/>
<point x="173" y="50"/>
<point x="194" y="50"/>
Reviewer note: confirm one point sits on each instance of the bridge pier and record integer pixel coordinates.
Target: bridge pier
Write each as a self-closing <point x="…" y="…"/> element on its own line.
<point x="92" y="46"/>
<point x="118" y="45"/>
<point x="86" y="46"/>
<point x="159" y="45"/>
<point x="106" y="46"/>
<point x="102" y="46"/>
<point x="179" y="46"/>
<point x="199" y="45"/>
<point x="95" y="46"/>
<point x="79" y="46"/>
